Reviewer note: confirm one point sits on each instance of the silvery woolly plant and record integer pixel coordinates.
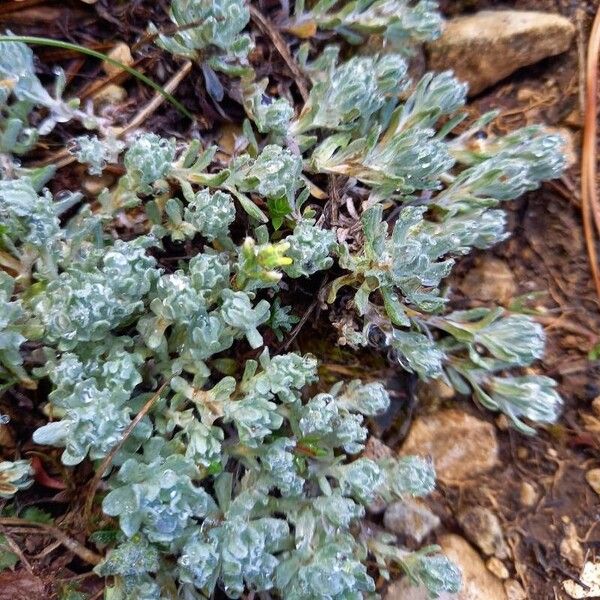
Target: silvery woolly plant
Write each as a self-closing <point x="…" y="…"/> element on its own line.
<point x="247" y="474"/>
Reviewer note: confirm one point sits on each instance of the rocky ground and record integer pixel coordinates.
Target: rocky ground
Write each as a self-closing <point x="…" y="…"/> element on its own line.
<point x="519" y="515"/>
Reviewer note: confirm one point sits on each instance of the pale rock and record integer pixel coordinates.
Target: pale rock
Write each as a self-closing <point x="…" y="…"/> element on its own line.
<point x="482" y="527"/>
<point x="570" y="547"/>
<point x="497" y="567"/>
<point x="488" y="46"/>
<point x="514" y="590"/>
<point x="528" y="495"/>
<point x="376" y="450"/>
<point x="121" y="53"/>
<point x="460" y="445"/>
<point x="490" y="280"/>
<point x="590" y="576"/>
<point x="593" y="478"/>
<point x="502" y="422"/>
<point x="477" y="582"/>
<point x="411" y="518"/>
<point x="522" y="453"/>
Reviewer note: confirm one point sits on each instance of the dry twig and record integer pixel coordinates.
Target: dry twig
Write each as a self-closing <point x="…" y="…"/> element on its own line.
<point x="589" y="193"/>
<point x="74" y="546"/>
<point x="272" y="32"/>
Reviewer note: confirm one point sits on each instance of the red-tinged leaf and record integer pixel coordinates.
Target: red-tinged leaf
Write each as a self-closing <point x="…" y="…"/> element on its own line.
<point x="41" y="477"/>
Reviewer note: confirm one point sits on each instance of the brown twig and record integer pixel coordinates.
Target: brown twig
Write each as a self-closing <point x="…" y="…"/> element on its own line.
<point x="110" y="456"/>
<point x="73" y="545"/>
<point x="157" y="100"/>
<point x="589" y="193"/>
<point x="305" y="316"/>
<point x="273" y="34"/>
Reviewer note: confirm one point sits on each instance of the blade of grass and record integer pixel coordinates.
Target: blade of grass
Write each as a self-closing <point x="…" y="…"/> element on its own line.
<point x="42" y="41"/>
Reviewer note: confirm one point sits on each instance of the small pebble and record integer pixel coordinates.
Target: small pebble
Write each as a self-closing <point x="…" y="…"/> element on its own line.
<point x="111" y="94"/>
<point x="593" y="478"/>
<point x="528" y="495"/>
<point x="522" y="453"/>
<point x="496" y="567"/>
<point x="483" y="528"/>
<point x="121" y="53"/>
<point x="570" y="547"/>
<point x="502" y="423"/>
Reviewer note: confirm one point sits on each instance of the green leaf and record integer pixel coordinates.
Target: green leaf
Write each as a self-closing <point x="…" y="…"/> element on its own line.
<point x="37" y="515"/>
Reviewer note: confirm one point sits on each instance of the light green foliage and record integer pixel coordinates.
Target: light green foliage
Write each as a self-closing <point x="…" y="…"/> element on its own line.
<point x="96" y="153"/>
<point x="533" y="397"/>
<point x="91" y="392"/>
<point x="237" y="310"/>
<point x="211" y="215"/>
<point x="27" y="217"/>
<point x="208" y="29"/>
<point x="270" y="115"/>
<point x="274" y="174"/>
<point x="100" y="293"/>
<point x="348" y="95"/>
<point x="242" y="472"/>
<point x="21" y="91"/>
<point x="14" y="476"/>
<point x="148" y="159"/>
<point x="310" y="249"/>
<point x="11" y="338"/>
<point x="401" y="23"/>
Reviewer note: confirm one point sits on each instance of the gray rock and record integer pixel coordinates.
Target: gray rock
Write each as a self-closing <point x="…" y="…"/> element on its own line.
<point x="488" y="46"/>
<point x="482" y="527"/>
<point x="461" y="446"/>
<point x="411" y="518"/>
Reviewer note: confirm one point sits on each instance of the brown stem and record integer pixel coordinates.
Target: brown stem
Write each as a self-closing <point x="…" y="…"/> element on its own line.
<point x="269" y="29"/>
<point x="589" y="193"/>
<point x="73" y="545"/>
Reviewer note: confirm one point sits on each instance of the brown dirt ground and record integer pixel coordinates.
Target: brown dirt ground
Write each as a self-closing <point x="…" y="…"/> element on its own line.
<point x="546" y="253"/>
